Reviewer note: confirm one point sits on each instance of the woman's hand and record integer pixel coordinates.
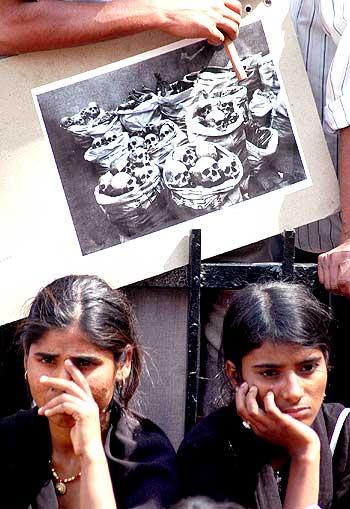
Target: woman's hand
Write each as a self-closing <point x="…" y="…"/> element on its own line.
<point x="76" y="401"/>
<point x="272" y="425"/>
<point x="210" y="19"/>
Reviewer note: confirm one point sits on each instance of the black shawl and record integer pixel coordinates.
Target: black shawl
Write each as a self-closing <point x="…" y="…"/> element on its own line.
<point x="140" y="458"/>
<point x="223" y="460"/>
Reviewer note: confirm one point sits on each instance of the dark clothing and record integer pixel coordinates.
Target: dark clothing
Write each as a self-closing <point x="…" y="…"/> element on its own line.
<point x="141" y="460"/>
<point x="221" y="459"/>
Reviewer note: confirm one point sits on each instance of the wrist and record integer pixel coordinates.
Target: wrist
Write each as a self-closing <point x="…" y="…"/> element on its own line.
<point x="308" y="455"/>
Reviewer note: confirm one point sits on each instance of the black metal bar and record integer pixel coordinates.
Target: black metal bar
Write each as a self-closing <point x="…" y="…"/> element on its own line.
<point x="193" y="330"/>
<point x="288" y="255"/>
<point x="237" y="275"/>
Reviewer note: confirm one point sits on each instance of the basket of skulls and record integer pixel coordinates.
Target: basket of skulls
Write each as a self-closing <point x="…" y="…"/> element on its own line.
<point x="112" y="146"/>
<point x="220" y="122"/>
<point x="89" y="123"/>
<point x="268" y="74"/>
<point x="159" y="140"/>
<point x="202" y="178"/>
<point x="131" y="194"/>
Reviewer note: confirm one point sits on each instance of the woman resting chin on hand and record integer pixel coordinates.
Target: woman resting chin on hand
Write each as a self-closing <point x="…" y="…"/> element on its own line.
<point x="81" y="447"/>
<point x="269" y="447"/>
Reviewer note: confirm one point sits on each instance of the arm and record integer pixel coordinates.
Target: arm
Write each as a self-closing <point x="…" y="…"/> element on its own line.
<point x="49" y="24"/>
<point x="296" y="438"/>
<point x="334" y="266"/>
<point x="76" y="400"/>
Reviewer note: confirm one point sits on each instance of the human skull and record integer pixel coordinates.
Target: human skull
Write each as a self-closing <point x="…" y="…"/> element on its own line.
<point x="151" y="142"/>
<point x="104" y="181"/>
<point x="165" y="130"/>
<point x="97" y="143"/>
<point x="84" y="113"/>
<point x="142" y="174"/>
<point x="93" y="110"/>
<point x="216" y="118"/>
<point x="186" y="155"/>
<point x="66" y="122"/>
<point x="229" y="169"/>
<point x="139" y="157"/>
<point x="176" y="173"/>
<point x="206" y="172"/>
<point x="110" y="137"/>
<point x="135" y="141"/>
<point x="123" y="183"/>
<point x="227" y="108"/>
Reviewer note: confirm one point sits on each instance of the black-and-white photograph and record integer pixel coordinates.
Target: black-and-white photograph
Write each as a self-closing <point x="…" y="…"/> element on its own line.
<point x="150" y="144"/>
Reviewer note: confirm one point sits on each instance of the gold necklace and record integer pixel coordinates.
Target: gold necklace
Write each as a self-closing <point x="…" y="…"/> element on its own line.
<point x="60" y="484"/>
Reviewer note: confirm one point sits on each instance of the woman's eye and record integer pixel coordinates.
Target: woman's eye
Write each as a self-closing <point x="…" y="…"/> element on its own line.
<point x="47" y="360"/>
<point x="308" y="368"/>
<point x="269" y="373"/>
<point x="82" y="363"/>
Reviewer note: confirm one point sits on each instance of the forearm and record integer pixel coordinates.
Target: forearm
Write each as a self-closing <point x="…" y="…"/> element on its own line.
<point x="49" y="24"/>
<point x="303" y="482"/>
<point x="96" y="490"/>
<point x="344" y="181"/>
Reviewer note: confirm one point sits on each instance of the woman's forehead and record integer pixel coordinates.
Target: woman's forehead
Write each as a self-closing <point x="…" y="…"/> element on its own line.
<point x="70" y="340"/>
<point x="277" y="353"/>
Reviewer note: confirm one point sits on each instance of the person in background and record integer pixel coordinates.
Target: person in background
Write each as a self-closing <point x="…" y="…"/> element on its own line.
<point x="269" y="446"/>
<point x="81" y="445"/>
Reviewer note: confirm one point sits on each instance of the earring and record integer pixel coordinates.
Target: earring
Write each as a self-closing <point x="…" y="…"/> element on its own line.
<point x="26" y="375"/>
<point x="119" y="388"/>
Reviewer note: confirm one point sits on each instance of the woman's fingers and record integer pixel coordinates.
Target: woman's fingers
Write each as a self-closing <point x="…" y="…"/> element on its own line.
<point x="77" y="376"/>
<point x="59" y="400"/>
<point x="61" y="384"/>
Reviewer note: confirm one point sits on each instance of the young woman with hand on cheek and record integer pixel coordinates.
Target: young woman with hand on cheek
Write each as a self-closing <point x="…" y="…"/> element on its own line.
<point x="81" y="446"/>
<point x="268" y="448"/>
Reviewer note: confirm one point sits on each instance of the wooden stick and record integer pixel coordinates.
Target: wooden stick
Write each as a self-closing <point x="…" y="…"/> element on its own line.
<point x="235" y="60"/>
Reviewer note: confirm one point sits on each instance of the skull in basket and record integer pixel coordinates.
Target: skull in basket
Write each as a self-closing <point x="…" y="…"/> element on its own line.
<point x="165" y="131"/>
<point x="142" y="174"/>
<point x="93" y="110"/>
<point x="66" y="122"/>
<point x="176" y="173"/>
<point x="187" y="155"/>
<point x="229" y="168"/>
<point x="98" y="143"/>
<point x="135" y="141"/>
<point x="206" y="172"/>
<point x="139" y="157"/>
<point x="227" y="108"/>
<point x="110" y="137"/>
<point x="123" y="183"/>
<point x="217" y="119"/>
<point x="151" y="142"/>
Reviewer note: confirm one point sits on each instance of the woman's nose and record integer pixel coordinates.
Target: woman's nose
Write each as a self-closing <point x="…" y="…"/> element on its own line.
<point x="61" y="372"/>
<point x="292" y="388"/>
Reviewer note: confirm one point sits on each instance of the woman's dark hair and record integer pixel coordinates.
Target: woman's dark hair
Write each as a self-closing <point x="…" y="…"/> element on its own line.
<point x="104" y="315"/>
<point x="199" y="502"/>
<point x="277" y="313"/>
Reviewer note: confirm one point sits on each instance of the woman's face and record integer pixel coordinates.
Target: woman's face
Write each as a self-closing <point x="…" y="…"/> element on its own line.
<point x="296" y="375"/>
<point x="47" y="356"/>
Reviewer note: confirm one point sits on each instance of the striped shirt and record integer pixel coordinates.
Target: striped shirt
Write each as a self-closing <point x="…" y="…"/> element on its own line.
<point x="322" y="29"/>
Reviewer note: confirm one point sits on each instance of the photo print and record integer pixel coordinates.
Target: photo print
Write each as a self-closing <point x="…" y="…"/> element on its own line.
<point x="146" y="145"/>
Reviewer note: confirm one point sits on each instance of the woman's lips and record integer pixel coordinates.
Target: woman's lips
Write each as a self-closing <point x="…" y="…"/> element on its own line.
<point x="298" y="412"/>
